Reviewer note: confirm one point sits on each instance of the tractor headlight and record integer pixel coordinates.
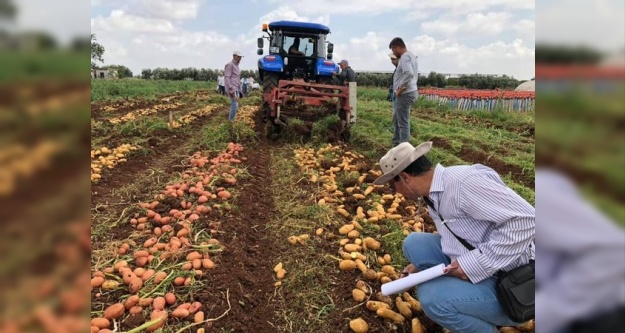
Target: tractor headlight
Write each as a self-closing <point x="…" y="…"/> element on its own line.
<point x="274" y="49"/>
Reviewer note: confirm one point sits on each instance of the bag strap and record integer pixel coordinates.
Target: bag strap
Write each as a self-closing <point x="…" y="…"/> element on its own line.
<point x="460" y="239"/>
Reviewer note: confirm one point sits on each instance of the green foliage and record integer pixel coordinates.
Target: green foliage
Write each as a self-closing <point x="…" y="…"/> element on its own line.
<point x="137" y="88"/>
<point x="190" y="74"/>
<point x="50" y="65"/>
<point x="560" y="54"/>
<point x="475" y="81"/>
<point x="97" y="51"/>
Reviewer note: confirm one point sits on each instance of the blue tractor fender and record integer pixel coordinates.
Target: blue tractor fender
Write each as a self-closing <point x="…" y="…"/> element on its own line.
<point x="326" y="67"/>
<point x="271" y="63"/>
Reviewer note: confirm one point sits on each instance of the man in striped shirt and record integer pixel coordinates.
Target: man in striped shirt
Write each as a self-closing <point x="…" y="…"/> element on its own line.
<point x="473" y="202"/>
<point x="232" y="78"/>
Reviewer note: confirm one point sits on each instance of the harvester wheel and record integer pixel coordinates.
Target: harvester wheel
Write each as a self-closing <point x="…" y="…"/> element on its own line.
<point x="270" y="81"/>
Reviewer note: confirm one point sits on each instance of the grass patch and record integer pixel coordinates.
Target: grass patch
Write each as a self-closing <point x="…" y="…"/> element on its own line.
<point x="144" y="127"/>
<point x="310" y="300"/>
<point x="132" y="88"/>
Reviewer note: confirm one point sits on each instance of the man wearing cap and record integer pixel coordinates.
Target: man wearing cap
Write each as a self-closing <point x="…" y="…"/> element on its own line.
<point x="472" y="202"/>
<point x="346" y="77"/>
<point x="347" y="73"/>
<point x="232" y="78"/>
<point x="405" y="89"/>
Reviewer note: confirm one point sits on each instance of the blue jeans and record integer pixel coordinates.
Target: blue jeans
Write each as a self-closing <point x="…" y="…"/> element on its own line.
<point x="233" y="108"/>
<point x="455" y="304"/>
<point x="401" y="117"/>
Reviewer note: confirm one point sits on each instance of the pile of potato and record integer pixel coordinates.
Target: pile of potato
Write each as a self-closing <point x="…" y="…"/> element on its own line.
<point x="172" y="241"/>
<point x="192" y="116"/>
<point x="133" y="115"/>
<point x="108" y="158"/>
<point x="20" y="161"/>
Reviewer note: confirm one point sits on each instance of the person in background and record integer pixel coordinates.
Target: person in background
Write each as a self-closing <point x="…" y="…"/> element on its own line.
<point x="347" y="77"/>
<point x="468" y="202"/>
<point x="391" y="96"/>
<point x="405" y="89"/>
<point x="243" y="87"/>
<point x="221" y="84"/>
<point x="232" y="79"/>
<point x="347" y="73"/>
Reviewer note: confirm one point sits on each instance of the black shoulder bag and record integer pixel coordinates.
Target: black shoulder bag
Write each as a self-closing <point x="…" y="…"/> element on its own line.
<point x="515" y="288"/>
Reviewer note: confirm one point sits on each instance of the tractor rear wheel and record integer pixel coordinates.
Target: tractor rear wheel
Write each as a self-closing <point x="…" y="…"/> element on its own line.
<point x="270" y="81"/>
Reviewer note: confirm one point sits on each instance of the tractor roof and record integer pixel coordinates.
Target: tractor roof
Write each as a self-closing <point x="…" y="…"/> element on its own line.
<point x="299" y="27"/>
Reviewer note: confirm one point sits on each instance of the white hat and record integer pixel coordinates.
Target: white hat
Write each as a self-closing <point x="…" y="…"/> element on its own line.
<point x="237" y="53"/>
<point x="392" y="56"/>
<point x="399" y="158"/>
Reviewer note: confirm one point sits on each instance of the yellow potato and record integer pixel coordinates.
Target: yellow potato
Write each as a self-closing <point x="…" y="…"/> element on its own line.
<point x="358" y="325"/>
<point x="416" y="326"/>
<point x="390" y="314"/>
<point x="376" y="305"/>
<point x="358" y="295"/>
<point x="347" y="265"/>
<point x="403" y="307"/>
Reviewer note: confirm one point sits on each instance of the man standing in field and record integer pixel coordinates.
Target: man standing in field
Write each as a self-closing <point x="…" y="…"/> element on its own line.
<point x="232" y="78"/>
<point x="405" y="89"/>
<point x="221" y="84"/>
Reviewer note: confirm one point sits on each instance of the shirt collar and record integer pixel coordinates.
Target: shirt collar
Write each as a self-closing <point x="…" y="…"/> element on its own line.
<point x="437" y="180"/>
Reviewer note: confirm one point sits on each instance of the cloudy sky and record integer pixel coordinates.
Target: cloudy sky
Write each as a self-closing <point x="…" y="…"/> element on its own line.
<point x="449" y="36"/>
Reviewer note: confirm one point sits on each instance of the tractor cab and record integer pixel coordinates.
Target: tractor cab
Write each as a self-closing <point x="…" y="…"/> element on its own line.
<point x="296" y="77"/>
<point x="297" y="50"/>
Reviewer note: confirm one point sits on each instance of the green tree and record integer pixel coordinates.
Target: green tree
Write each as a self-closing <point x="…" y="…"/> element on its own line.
<point x="121" y="70"/>
<point x="7" y="10"/>
<point x="97" y="51"/>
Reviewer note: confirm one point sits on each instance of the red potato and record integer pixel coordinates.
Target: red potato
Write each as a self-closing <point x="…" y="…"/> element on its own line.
<point x="193" y="255"/>
<point x="150" y="242"/>
<point x="156" y="314"/>
<point x="199" y="317"/>
<point x="97" y="281"/>
<point x="170" y="298"/>
<point x="159" y="277"/>
<point x="197" y="263"/>
<point x="114" y="311"/>
<point x="185" y="306"/>
<point x="135" y="285"/>
<point x="180" y="313"/>
<point x="135" y="310"/>
<point x="195" y="307"/>
<point x="159" y="303"/>
<point x="139" y="271"/>
<point x="187" y="266"/>
<point x="145" y="302"/>
<point x="208" y="264"/>
<point x="179" y="281"/>
<point x="100" y="323"/>
<point x="141" y="261"/>
<point x="131" y="301"/>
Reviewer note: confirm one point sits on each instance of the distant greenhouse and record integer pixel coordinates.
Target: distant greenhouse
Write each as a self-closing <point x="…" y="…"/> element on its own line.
<point x="526" y="86"/>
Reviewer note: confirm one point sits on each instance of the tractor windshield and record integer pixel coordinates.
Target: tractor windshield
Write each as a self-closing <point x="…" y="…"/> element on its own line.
<point x="298" y="45"/>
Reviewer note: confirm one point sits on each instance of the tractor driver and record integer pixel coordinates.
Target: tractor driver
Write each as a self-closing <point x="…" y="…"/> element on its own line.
<point x="294" y="49"/>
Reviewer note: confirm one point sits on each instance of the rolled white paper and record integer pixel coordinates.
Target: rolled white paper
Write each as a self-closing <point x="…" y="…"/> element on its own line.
<point x="403" y="284"/>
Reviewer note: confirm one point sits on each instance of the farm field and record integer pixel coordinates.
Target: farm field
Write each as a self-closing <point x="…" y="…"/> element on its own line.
<point x="199" y="225"/>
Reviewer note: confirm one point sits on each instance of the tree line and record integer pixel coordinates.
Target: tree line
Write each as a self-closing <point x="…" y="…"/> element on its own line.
<point x="433" y="79"/>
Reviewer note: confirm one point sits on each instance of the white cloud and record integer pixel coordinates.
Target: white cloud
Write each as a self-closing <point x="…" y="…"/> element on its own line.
<point x="598" y="23"/>
<point x="172" y="9"/>
<point x="120" y="21"/>
<point x="474" y="24"/>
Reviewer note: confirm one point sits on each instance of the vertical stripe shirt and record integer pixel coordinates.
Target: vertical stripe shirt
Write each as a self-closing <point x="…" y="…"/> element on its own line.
<point x="476" y="204"/>
<point x="232" y="77"/>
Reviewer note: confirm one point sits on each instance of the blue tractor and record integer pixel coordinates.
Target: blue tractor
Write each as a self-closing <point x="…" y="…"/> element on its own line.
<point x="296" y="75"/>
